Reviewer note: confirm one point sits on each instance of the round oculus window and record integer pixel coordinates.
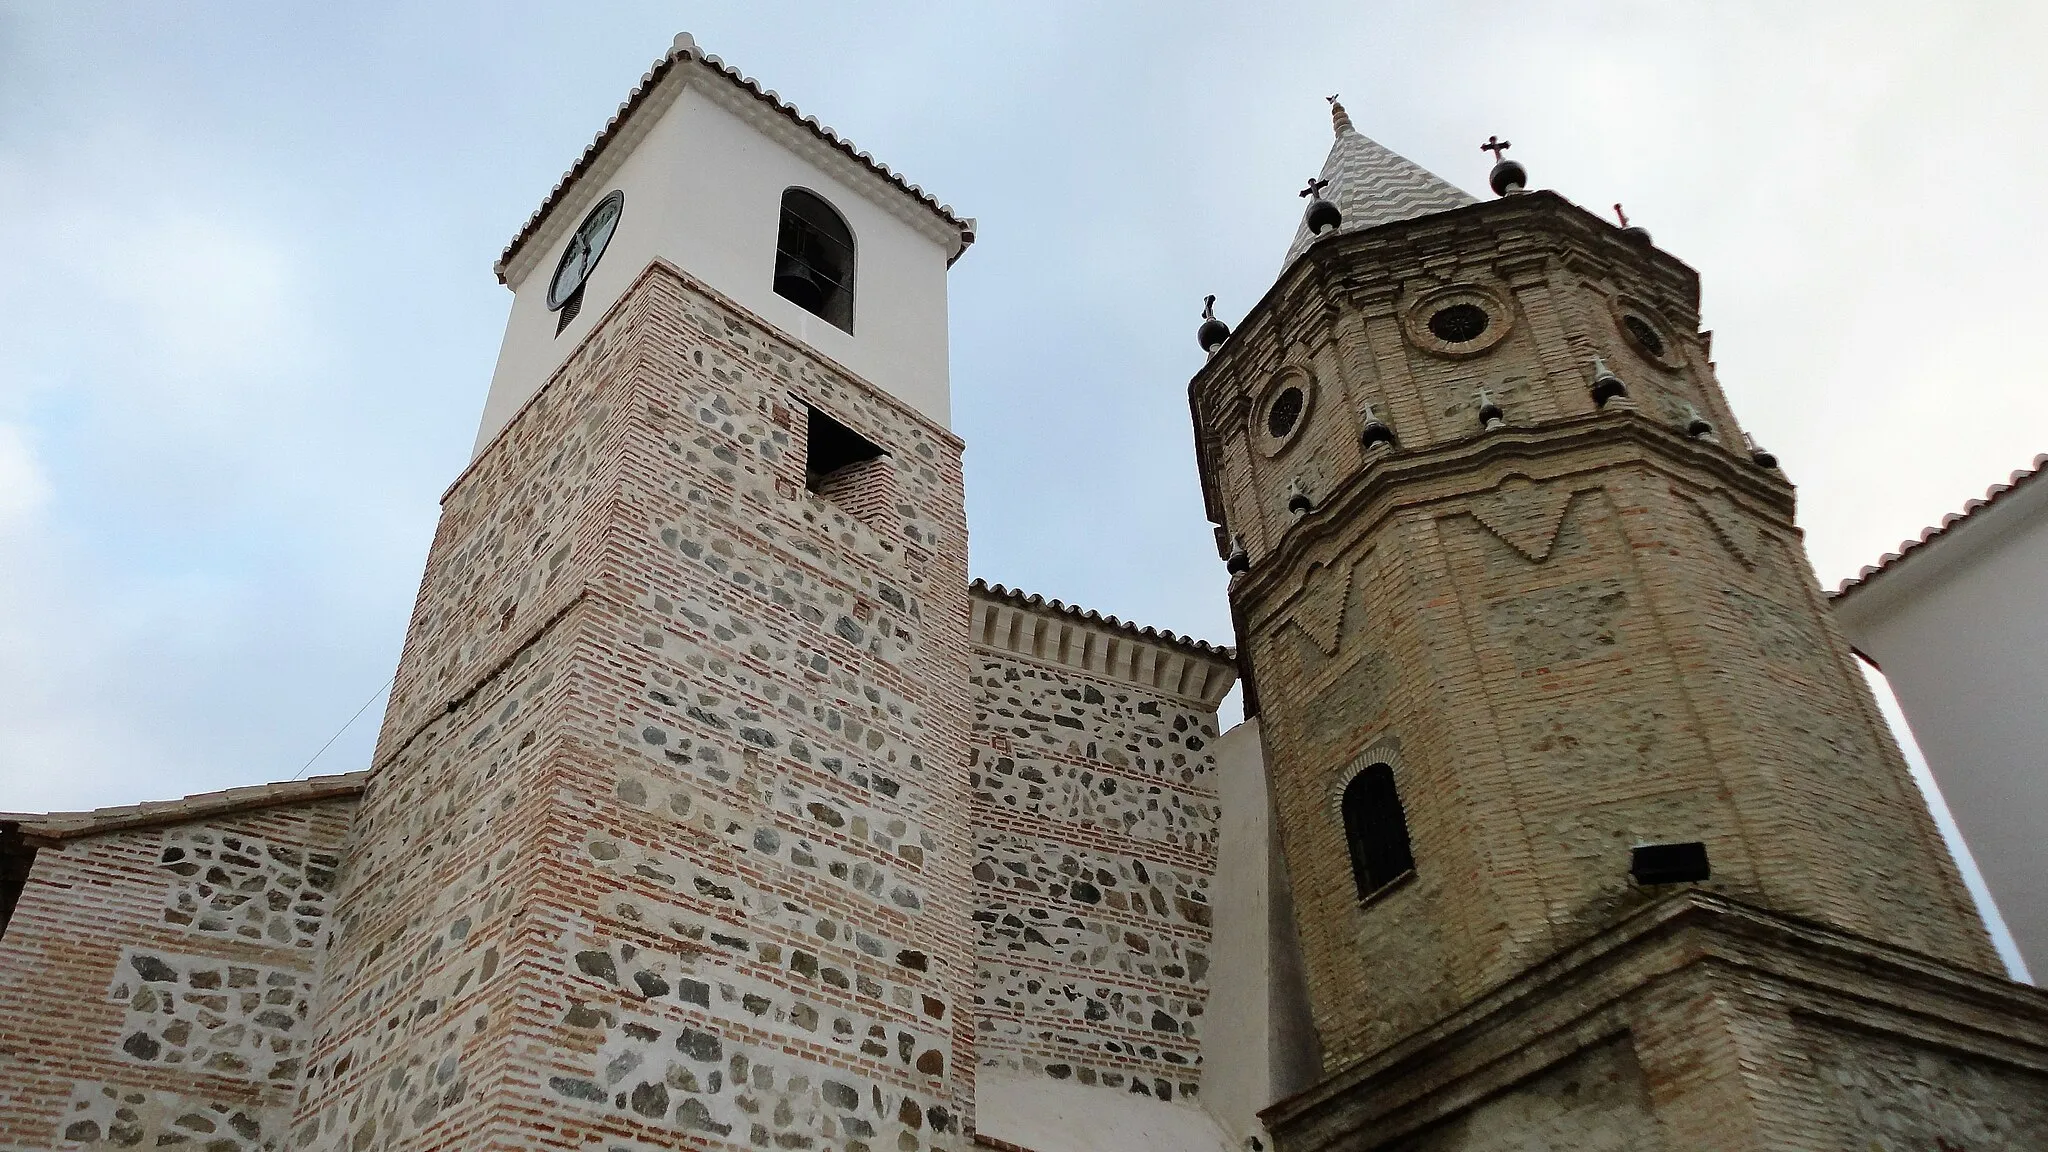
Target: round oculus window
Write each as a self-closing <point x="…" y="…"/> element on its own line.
<point x="1459" y="323"/>
<point x="1285" y="412"/>
<point x="1641" y="331"/>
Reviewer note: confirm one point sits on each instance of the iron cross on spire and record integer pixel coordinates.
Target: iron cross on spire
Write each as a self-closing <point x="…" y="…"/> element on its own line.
<point x="1314" y="191"/>
<point x="1496" y="145"/>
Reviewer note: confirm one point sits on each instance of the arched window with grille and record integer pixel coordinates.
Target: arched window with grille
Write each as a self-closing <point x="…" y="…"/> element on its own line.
<point x="814" y="258"/>
<point x="1376" y="830"/>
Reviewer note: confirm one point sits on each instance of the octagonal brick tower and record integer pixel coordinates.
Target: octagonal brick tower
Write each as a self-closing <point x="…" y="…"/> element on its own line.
<point x="1565" y="629"/>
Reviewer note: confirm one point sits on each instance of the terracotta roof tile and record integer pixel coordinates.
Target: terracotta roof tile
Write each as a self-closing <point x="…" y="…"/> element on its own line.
<point x="685" y="50"/>
<point x="1930" y="534"/>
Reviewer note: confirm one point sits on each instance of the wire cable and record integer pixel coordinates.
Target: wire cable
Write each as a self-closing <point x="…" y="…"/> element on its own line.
<point x="345" y="727"/>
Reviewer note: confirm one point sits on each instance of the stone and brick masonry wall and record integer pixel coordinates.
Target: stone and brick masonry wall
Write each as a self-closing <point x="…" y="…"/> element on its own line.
<point x="1095" y="817"/>
<point x="156" y="982"/>
<point x="667" y="835"/>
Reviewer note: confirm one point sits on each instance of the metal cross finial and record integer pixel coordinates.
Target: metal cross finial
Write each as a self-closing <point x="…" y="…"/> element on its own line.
<point x="1314" y="191"/>
<point x="1621" y="216"/>
<point x="1332" y="98"/>
<point x="1496" y="145"/>
<point x="1208" y="307"/>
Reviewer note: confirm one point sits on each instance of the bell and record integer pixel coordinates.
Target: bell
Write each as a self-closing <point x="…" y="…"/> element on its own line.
<point x="796" y="283"/>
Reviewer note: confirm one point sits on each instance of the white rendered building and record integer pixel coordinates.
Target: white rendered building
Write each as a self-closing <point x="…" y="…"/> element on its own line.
<point x="1958" y="623"/>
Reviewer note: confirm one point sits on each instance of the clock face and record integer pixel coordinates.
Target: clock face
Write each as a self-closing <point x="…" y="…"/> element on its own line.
<point x="585" y="248"/>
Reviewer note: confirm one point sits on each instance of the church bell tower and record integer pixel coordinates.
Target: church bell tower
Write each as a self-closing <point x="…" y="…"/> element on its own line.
<point x="1595" y="831"/>
<point x="665" y="839"/>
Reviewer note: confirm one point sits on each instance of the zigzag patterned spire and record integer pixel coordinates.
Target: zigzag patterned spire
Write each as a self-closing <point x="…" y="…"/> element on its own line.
<point x="1372" y="185"/>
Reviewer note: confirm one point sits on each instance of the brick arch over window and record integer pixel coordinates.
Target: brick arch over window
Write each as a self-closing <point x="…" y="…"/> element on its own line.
<point x="1375" y="829"/>
<point x="814" y="257"/>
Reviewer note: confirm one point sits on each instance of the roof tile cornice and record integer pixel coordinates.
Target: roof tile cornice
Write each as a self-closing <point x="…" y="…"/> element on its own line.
<point x="1950" y="522"/>
<point x="685" y="51"/>
<point x="56" y="827"/>
<point x="1178" y="665"/>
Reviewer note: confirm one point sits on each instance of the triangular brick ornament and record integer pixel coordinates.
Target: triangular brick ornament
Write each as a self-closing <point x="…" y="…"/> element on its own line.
<point x="1731" y="526"/>
<point x="1319" y="609"/>
<point x="1525" y="514"/>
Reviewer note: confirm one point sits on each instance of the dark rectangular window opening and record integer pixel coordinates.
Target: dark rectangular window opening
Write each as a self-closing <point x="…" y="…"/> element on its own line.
<point x="17" y="857"/>
<point x="834" y="448"/>
<point x="570" y="307"/>
<point x="1684" y="863"/>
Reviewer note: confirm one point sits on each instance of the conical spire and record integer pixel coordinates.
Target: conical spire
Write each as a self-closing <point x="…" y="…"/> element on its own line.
<point x="1372" y="185"/>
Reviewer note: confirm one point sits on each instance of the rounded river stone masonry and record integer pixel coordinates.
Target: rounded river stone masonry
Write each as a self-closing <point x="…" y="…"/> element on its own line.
<point x="1096" y="819"/>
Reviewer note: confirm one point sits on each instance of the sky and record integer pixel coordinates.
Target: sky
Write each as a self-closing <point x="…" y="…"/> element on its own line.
<point x="247" y="317"/>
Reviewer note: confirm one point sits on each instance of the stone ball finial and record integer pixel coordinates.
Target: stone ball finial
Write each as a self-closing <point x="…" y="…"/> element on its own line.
<point x="1239" y="560"/>
<point x="1376" y="432"/>
<point x="1298" y="503"/>
<point x="1322" y="216"/>
<point x="1635" y="232"/>
<point x="1213" y="332"/>
<point x="1490" y="415"/>
<point x="1507" y="176"/>
<point x="1606" y="385"/>
<point x="1761" y="457"/>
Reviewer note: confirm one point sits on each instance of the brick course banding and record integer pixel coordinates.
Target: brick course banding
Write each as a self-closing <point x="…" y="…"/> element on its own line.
<point x="156" y="980"/>
<point x="677" y="745"/>
<point x="1574" y="631"/>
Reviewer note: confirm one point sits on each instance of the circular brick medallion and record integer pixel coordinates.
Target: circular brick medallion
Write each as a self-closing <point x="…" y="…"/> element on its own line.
<point x="1458" y="321"/>
<point x="1647" y="333"/>
<point x="1283" y="410"/>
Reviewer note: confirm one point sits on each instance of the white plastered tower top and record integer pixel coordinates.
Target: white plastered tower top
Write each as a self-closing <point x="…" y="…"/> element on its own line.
<point x="703" y="156"/>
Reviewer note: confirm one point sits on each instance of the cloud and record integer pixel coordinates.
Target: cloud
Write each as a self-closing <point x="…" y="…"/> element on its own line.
<point x="23" y="487"/>
<point x="164" y="626"/>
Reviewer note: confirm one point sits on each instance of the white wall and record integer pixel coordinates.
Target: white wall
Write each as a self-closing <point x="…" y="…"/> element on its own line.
<point x="1959" y="628"/>
<point x="1062" y="1116"/>
<point x="1258" y="1039"/>
<point x="704" y="191"/>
